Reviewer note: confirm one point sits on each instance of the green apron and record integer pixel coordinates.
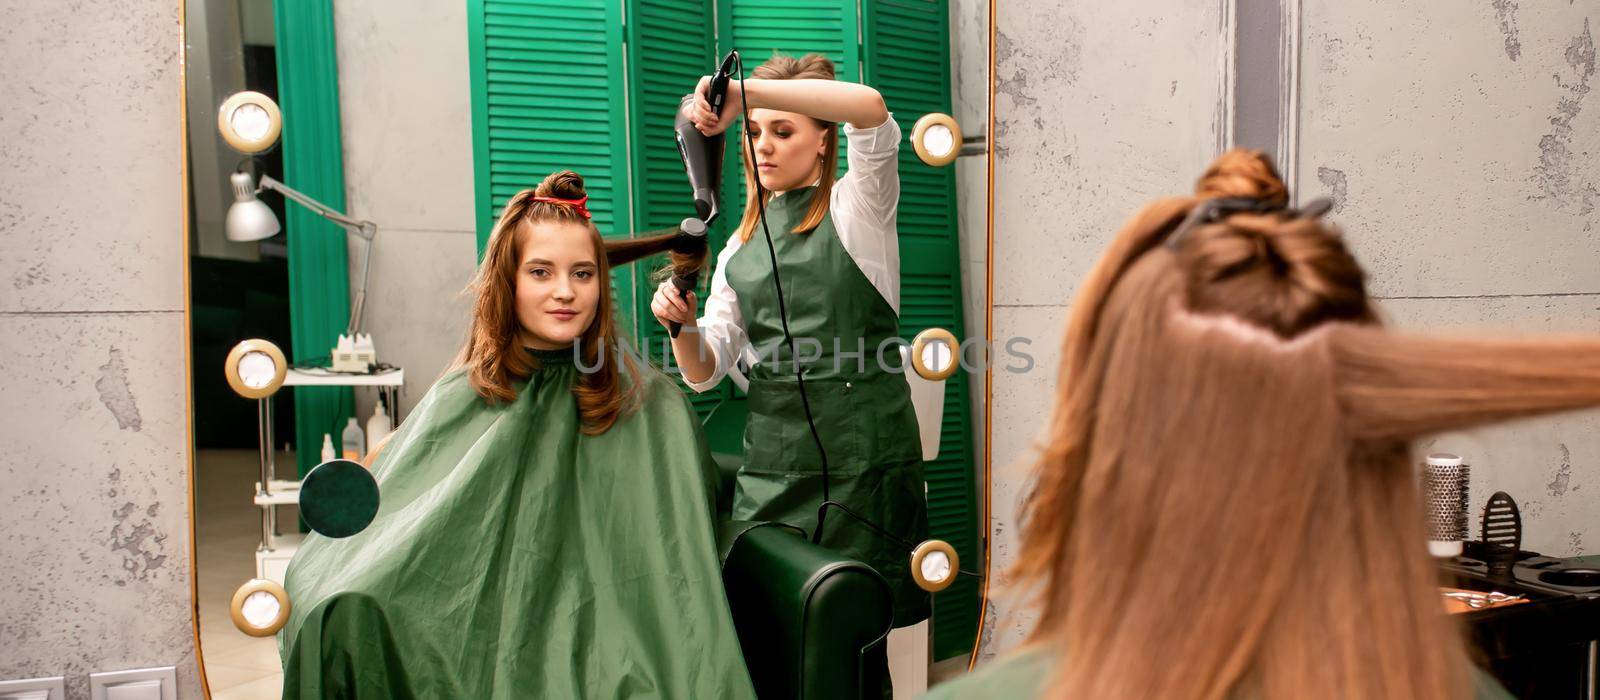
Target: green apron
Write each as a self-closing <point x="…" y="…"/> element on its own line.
<point x="863" y="412"/>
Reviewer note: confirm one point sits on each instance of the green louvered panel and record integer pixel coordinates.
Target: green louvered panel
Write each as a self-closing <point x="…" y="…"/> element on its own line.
<point x="905" y="47"/>
<point x="545" y="98"/>
<point x="670" y="43"/>
<point x="757" y="28"/>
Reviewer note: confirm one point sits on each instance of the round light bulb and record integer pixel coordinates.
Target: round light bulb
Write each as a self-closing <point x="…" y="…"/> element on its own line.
<point x="936" y="567"/>
<point x="257" y="369"/>
<point x="939" y="140"/>
<point x="250" y="121"/>
<point x="261" y="609"/>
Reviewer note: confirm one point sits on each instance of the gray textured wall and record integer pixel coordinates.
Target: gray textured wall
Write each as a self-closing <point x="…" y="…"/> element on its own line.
<point x="93" y="409"/>
<point x="405" y="102"/>
<point x="1458" y="140"/>
<point x="1099" y="107"/>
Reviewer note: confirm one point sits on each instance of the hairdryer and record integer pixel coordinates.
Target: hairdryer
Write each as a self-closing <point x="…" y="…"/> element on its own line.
<point x="702" y="160"/>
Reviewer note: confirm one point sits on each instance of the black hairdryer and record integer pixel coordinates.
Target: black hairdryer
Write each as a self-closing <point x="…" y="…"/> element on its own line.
<point x="691" y="239"/>
<point x="702" y="155"/>
<point x="702" y="160"/>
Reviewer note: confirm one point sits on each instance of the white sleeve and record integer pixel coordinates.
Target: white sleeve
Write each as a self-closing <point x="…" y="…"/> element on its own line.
<point x="722" y="326"/>
<point x="866" y="203"/>
<point x="873" y="160"/>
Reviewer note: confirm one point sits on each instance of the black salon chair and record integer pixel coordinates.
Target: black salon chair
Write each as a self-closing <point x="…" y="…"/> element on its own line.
<point x="811" y="623"/>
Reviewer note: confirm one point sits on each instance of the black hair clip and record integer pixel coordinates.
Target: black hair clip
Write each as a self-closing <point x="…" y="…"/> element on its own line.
<point x="1214" y="210"/>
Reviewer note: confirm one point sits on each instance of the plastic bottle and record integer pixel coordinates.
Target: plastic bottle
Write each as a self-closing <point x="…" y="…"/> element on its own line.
<point x="327" y="447"/>
<point x="378" y="427"/>
<point x="354" y="441"/>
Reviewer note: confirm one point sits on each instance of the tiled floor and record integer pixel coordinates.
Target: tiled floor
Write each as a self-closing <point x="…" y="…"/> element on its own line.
<point x="228" y="529"/>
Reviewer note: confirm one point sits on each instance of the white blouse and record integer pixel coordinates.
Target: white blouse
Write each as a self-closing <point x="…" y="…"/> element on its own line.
<point x="864" y="208"/>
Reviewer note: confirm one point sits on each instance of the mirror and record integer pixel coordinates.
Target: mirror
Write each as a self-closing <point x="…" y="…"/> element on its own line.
<point x="345" y="164"/>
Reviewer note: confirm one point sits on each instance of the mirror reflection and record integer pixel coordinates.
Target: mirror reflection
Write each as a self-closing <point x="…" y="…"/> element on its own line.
<point x="466" y="225"/>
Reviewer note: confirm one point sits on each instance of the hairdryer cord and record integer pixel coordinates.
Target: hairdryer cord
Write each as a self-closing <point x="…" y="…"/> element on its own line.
<point x="777" y="281"/>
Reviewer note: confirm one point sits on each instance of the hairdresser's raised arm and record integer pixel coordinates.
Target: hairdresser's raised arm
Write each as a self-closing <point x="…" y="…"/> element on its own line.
<point x="829" y="100"/>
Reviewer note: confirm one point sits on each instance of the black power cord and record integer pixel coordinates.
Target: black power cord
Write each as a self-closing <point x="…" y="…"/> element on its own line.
<point x="777" y="281"/>
<point x="799" y="374"/>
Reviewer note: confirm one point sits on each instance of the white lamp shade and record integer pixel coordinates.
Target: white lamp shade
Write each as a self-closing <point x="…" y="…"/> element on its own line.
<point x="249" y="219"/>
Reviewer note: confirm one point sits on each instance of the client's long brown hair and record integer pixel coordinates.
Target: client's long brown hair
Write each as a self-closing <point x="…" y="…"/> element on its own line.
<point x="1224" y="500"/>
<point x="493" y="355"/>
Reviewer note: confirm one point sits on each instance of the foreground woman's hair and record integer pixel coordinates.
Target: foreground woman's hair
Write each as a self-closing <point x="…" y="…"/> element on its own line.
<point x="1224" y="501"/>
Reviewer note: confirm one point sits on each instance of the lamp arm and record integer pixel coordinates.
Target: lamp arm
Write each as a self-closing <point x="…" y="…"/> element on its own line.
<point x="363" y="229"/>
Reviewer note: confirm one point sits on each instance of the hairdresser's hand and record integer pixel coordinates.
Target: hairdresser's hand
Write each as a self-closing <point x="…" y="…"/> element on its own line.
<point x="700" y="114"/>
<point x="668" y="306"/>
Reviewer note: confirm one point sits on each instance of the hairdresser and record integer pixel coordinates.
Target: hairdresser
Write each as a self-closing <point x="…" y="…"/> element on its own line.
<point x="838" y="261"/>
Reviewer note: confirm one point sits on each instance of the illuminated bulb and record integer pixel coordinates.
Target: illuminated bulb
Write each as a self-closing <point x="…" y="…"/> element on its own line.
<point x="936" y="567"/>
<point x="261" y="609"/>
<point x="250" y="121"/>
<point x="257" y="369"/>
<point x="939" y="140"/>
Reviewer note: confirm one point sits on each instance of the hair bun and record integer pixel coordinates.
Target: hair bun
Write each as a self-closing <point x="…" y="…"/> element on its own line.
<point x="1241" y="173"/>
<point x="565" y="184"/>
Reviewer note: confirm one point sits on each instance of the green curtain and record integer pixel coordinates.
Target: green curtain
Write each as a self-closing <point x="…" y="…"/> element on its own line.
<point x="313" y="163"/>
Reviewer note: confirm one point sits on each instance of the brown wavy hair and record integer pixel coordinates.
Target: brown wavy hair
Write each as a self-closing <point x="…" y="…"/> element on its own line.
<point x="494" y="359"/>
<point x="1224" y="500"/>
<point x="781" y="67"/>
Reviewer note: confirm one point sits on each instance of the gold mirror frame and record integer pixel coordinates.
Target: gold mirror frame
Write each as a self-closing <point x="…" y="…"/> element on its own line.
<point x="986" y="517"/>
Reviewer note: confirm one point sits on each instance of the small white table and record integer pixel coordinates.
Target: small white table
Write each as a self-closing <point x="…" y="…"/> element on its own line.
<point x="272" y="557"/>
<point x="387" y="382"/>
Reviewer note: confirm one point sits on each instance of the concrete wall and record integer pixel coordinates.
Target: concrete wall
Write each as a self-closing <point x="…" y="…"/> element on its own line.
<point x="1099" y="107"/>
<point x="405" y="102"/>
<point x="93" y="410"/>
<point x="1460" y="142"/>
<point x="1457" y="140"/>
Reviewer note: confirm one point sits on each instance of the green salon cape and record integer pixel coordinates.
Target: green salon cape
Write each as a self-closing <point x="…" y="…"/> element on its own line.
<point x="515" y="557"/>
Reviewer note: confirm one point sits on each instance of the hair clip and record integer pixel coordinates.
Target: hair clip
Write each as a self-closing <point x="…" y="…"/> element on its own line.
<point x="1217" y="209"/>
<point x="579" y="204"/>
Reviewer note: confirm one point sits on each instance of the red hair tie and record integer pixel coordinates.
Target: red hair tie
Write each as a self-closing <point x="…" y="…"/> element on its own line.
<point x="580" y="204"/>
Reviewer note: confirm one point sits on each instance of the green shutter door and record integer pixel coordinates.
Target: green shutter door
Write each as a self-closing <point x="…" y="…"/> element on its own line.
<point x="794" y="27"/>
<point x="545" y="96"/>
<point x="907" y="57"/>
<point x="669" y="47"/>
